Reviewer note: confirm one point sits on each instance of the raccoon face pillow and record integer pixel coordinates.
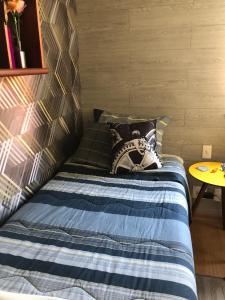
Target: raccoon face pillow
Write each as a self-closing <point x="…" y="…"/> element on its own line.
<point x="133" y="147"/>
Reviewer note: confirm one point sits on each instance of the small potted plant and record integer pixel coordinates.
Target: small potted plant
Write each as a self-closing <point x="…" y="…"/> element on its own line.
<point x="13" y="12"/>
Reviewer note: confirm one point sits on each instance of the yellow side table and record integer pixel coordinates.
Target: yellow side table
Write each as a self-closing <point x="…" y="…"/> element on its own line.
<point x="214" y="176"/>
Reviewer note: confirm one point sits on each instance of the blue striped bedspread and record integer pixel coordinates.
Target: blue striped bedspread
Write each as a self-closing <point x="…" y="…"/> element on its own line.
<point x="89" y="235"/>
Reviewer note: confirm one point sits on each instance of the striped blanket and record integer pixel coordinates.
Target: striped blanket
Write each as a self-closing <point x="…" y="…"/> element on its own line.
<point x="89" y="235"/>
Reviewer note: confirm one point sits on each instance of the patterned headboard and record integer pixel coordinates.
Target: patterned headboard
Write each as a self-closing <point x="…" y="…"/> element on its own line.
<point x="40" y="115"/>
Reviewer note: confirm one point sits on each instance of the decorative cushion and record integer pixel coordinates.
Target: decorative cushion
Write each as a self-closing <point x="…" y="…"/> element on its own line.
<point x="95" y="147"/>
<point x="133" y="147"/>
<point x="103" y="116"/>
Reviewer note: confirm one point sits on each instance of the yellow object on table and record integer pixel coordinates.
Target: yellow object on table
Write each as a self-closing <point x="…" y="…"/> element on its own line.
<point x="214" y="176"/>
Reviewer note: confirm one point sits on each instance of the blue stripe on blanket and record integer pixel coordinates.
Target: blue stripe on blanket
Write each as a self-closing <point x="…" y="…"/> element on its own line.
<point x="128" y="186"/>
<point x="112" y="205"/>
<point x="158" y="175"/>
<point x="108" y="224"/>
<point x="126" y="281"/>
<point x="100" y="248"/>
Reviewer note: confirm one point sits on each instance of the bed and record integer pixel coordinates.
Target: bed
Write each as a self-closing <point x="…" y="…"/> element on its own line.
<point x="91" y="235"/>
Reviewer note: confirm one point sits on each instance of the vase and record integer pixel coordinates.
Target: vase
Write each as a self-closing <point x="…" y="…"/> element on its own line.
<point x="23" y="59"/>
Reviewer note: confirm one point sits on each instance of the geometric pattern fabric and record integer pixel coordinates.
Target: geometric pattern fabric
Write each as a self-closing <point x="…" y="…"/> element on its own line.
<point x="40" y="115"/>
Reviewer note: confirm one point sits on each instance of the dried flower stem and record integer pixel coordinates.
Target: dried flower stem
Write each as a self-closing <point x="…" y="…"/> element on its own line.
<point x="17" y="30"/>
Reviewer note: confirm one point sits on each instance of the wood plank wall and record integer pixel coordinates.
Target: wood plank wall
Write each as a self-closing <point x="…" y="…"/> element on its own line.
<point x="158" y="57"/>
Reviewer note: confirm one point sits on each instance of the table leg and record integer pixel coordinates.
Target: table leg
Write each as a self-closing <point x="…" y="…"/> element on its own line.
<point x="199" y="197"/>
<point x="223" y="206"/>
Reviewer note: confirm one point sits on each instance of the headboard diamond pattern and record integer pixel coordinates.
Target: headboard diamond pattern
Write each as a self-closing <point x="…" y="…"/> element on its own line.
<point x="40" y="115"/>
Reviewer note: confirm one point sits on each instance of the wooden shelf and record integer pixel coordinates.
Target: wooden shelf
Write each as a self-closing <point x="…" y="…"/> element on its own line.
<point x="31" y="41"/>
<point x="22" y="72"/>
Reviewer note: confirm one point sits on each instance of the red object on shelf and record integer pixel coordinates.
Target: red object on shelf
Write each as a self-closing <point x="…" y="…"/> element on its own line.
<point x="10" y="49"/>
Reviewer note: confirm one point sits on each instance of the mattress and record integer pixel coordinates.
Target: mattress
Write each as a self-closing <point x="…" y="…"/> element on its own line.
<point x="90" y="235"/>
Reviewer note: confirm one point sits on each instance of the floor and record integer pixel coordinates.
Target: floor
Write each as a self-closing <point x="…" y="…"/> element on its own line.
<point x="209" y="239"/>
<point x="210" y="288"/>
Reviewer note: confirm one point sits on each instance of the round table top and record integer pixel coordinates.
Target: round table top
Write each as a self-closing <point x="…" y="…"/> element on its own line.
<point x="214" y="175"/>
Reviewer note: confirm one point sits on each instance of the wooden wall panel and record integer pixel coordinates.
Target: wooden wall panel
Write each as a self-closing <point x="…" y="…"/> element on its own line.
<point x="158" y="57"/>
